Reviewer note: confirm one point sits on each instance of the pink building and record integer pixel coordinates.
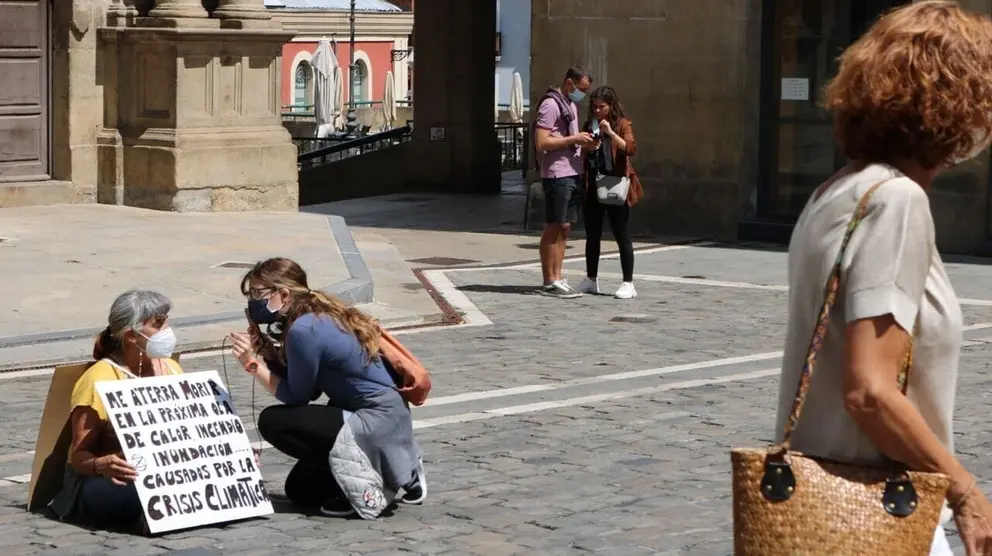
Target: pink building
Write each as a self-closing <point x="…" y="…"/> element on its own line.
<point x="382" y="44"/>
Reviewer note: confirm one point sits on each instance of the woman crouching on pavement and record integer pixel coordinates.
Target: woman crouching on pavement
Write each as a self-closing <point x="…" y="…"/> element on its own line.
<point x="356" y="452"/>
<point x="98" y="488"/>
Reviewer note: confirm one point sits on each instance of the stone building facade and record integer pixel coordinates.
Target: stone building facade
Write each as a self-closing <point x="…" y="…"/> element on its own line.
<point x="723" y="95"/>
<point x="164" y="104"/>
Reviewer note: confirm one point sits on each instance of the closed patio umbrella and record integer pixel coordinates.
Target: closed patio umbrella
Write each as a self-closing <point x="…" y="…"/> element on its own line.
<point x="339" y="118"/>
<point x="324" y="64"/>
<point x="517" y="99"/>
<point x="389" y="101"/>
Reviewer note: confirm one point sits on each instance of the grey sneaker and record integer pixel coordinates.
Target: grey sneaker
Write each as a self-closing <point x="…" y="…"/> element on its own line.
<point x="561" y="290"/>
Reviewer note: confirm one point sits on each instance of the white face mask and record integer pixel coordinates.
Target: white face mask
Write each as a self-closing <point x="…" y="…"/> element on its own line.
<point x="161" y="344"/>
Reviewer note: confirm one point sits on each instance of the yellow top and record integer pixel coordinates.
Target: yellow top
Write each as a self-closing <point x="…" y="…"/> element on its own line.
<point x="84" y="394"/>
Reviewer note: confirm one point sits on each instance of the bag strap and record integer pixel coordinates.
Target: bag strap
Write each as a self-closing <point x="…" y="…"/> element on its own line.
<point x="830" y="296"/>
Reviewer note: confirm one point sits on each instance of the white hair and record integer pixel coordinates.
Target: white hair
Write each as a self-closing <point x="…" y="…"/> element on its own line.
<point x="135" y="307"/>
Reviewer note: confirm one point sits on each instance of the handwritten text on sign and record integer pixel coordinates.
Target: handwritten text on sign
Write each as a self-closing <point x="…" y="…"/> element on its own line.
<point x="194" y="461"/>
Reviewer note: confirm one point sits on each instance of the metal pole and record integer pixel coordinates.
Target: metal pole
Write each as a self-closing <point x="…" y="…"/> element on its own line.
<point x="352" y="123"/>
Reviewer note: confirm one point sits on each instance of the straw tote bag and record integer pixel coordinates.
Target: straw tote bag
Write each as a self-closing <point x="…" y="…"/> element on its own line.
<point x="788" y="503"/>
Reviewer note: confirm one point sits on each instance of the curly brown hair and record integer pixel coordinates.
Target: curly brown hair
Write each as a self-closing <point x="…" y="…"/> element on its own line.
<point x="916" y="86"/>
<point x="283" y="273"/>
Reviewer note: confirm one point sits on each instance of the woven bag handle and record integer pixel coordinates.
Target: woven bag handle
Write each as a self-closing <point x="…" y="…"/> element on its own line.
<point x="832" y="287"/>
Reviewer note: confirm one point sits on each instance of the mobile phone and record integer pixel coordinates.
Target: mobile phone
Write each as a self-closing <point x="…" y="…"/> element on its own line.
<point x="251" y="324"/>
<point x="262" y="338"/>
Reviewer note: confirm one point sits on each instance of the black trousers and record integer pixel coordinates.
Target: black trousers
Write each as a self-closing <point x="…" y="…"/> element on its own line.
<point x="307" y="433"/>
<point x="106" y="505"/>
<point x="619" y="215"/>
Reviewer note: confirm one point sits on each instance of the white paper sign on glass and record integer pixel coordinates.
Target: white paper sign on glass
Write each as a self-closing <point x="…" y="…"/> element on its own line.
<point x="795" y="88"/>
<point x="195" y="463"/>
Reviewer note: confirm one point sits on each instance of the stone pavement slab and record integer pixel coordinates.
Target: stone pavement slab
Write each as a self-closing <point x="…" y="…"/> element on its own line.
<point x="631" y="464"/>
<point x="477" y="229"/>
<point x="63" y="265"/>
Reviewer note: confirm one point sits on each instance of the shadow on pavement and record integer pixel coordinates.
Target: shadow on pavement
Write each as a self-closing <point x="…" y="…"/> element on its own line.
<point x="488" y="288"/>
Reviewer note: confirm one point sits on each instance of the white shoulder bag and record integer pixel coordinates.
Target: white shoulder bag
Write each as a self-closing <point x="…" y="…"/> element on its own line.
<point x="612" y="190"/>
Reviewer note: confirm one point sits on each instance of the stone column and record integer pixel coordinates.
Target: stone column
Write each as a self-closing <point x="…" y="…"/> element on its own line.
<point x="198" y="111"/>
<point x="454" y="139"/>
<point x="178" y="9"/>
<point x="243" y="14"/>
<point x="120" y="11"/>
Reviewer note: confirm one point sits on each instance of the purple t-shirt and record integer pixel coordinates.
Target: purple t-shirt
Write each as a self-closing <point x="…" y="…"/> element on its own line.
<point x="565" y="162"/>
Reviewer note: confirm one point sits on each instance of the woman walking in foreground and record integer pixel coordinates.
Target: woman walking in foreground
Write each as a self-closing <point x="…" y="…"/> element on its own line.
<point x="912" y="98"/>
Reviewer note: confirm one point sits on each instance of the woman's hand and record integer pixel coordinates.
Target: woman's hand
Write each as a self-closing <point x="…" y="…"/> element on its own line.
<point x="974" y="520"/>
<point x="604" y="127"/>
<point x="262" y="347"/>
<point x="241" y="345"/>
<point x="256" y="338"/>
<point x="115" y="468"/>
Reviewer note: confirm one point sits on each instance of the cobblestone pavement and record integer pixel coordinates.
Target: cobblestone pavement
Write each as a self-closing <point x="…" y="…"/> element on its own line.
<point x="613" y="440"/>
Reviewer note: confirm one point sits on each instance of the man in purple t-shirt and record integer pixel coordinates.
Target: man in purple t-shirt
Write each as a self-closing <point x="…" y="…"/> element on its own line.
<point x="559" y="146"/>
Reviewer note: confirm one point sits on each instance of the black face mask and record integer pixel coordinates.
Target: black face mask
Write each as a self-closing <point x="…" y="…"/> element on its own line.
<point x="258" y="310"/>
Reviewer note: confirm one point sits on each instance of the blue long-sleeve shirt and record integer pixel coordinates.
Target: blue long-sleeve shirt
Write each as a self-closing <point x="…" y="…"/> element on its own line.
<point x="322" y="356"/>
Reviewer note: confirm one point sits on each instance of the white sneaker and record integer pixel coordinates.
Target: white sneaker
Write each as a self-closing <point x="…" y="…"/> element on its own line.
<point x="589" y="285"/>
<point x="626" y="291"/>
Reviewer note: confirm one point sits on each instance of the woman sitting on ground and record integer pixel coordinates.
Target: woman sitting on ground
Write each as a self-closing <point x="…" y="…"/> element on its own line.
<point x="332" y="349"/>
<point x="98" y="489"/>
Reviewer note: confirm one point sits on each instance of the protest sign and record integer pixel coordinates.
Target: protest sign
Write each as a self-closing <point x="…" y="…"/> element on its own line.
<point x="195" y="463"/>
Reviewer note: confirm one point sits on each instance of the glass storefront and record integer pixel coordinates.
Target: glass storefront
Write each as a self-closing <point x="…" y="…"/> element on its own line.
<point x="798" y="147"/>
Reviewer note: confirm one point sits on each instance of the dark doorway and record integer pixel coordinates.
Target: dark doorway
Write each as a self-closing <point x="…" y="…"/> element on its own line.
<point x="801" y="42"/>
<point x="24" y="100"/>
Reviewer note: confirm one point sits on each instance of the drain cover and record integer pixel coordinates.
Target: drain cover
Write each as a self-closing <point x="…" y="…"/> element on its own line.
<point x="635" y="319"/>
<point x="234" y="264"/>
<point x="441" y="261"/>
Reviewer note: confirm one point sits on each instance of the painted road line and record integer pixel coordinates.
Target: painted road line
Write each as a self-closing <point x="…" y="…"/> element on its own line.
<point x="489" y="394"/>
<point x="577" y="258"/>
<point x="694" y="281"/>
<point x="528" y="408"/>
<point x="966" y="301"/>
<point x="457" y="299"/>
<point x="587" y="400"/>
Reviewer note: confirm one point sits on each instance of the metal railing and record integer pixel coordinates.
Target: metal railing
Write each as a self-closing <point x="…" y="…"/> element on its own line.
<point x="354" y="147"/>
<point x="513" y="140"/>
<point x="305" y="111"/>
<point x="309" y="144"/>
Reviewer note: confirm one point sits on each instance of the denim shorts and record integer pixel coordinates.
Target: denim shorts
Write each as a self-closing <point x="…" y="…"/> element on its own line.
<point x="561" y="199"/>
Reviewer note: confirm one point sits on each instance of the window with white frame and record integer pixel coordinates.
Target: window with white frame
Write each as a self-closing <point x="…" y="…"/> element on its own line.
<point x="301" y="87"/>
<point x="360" y="85"/>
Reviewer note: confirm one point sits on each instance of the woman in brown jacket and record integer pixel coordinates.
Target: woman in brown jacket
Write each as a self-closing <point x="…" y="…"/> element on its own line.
<point x="609" y="156"/>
